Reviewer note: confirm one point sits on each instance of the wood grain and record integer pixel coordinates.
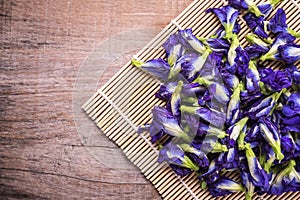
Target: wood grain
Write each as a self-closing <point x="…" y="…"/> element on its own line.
<point x="43" y="46"/>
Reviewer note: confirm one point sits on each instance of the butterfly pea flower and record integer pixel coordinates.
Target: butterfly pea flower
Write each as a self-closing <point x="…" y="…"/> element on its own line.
<point x="155" y="134"/>
<point x="194" y="43"/>
<point x="158" y="68"/>
<point x="233" y="109"/>
<point x="174" y="154"/>
<point x="189" y="65"/>
<point x="232" y="54"/>
<point x="214" y="117"/>
<point x="165" y="91"/>
<point x="175" y="100"/>
<point x="263" y="9"/>
<point x="220" y="33"/>
<point x="210" y="144"/>
<point x="270" y="132"/>
<point x="255" y="51"/>
<point x="281" y="39"/>
<point x="228" y="159"/>
<point x="234" y="130"/>
<point x="254" y="39"/>
<point x="291" y="114"/>
<point x="276" y="80"/>
<point x="212" y="174"/>
<point x="230" y="80"/>
<point x="196" y="155"/>
<point x="224" y="186"/>
<point x="246" y="5"/>
<point x="228" y="18"/>
<point x="252" y="78"/>
<point x="264" y="106"/>
<point x="237" y="59"/>
<point x="288" y="179"/>
<point x="295" y="74"/>
<point x="218" y="91"/>
<point x="289" y="53"/>
<point x="174" y="47"/>
<point x="210" y="70"/>
<point x="246" y="178"/>
<point x="163" y="120"/>
<point x="289" y="147"/>
<point x="278" y="24"/>
<point x="193" y="89"/>
<point x="219" y="45"/>
<point x="258" y="175"/>
<point x="258" y="25"/>
<point x="212" y="131"/>
<point x="292" y="107"/>
<point x="241" y="139"/>
<point x="181" y="171"/>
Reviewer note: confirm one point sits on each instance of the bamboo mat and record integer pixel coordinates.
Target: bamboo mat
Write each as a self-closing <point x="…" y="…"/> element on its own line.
<point x="126" y="100"/>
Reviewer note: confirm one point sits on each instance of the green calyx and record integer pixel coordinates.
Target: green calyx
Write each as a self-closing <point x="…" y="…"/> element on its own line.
<point x="254" y="9"/>
<point x="275" y="2"/>
<point x="293" y="33"/>
<point x="186" y="162"/>
<point x="137" y="63"/>
<point x="218" y="148"/>
<point x="188" y="109"/>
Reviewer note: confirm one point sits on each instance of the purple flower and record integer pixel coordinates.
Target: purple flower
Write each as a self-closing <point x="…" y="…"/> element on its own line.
<point x="255" y="51"/>
<point x="210" y="70"/>
<point x="278" y="22"/>
<point x="281" y="39"/>
<point x="292" y="107"/>
<point x="233" y="109"/>
<point x="289" y="147"/>
<point x="224" y="186"/>
<point x="259" y="176"/>
<point x="192" y="43"/>
<point x="165" y="91"/>
<point x="246" y="178"/>
<point x="270" y="133"/>
<point x="228" y="159"/>
<point x="230" y="80"/>
<point x="211" y="116"/>
<point x="197" y="156"/>
<point x="291" y="114"/>
<point x="164" y="121"/>
<point x="228" y="18"/>
<point x="179" y="170"/>
<point x="219" y="45"/>
<point x="252" y="78"/>
<point x="234" y="130"/>
<point x="289" y="53"/>
<point x="216" y="89"/>
<point x="156" y="67"/>
<point x="181" y="43"/>
<point x="173" y="154"/>
<point x="295" y="73"/>
<point x="276" y="80"/>
<point x="263" y="106"/>
<point x="175" y="100"/>
<point x="212" y="174"/>
<point x="253" y="134"/>
<point x="286" y="180"/>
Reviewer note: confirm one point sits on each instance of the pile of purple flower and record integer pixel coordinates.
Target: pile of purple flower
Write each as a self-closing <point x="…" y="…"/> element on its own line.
<point x="225" y="111"/>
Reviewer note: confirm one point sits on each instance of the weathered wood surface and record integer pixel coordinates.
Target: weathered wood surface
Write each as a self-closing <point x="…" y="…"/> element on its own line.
<point x="44" y="44"/>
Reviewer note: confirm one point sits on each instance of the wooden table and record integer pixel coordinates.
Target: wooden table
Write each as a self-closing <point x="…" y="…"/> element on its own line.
<point x="44" y="46"/>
